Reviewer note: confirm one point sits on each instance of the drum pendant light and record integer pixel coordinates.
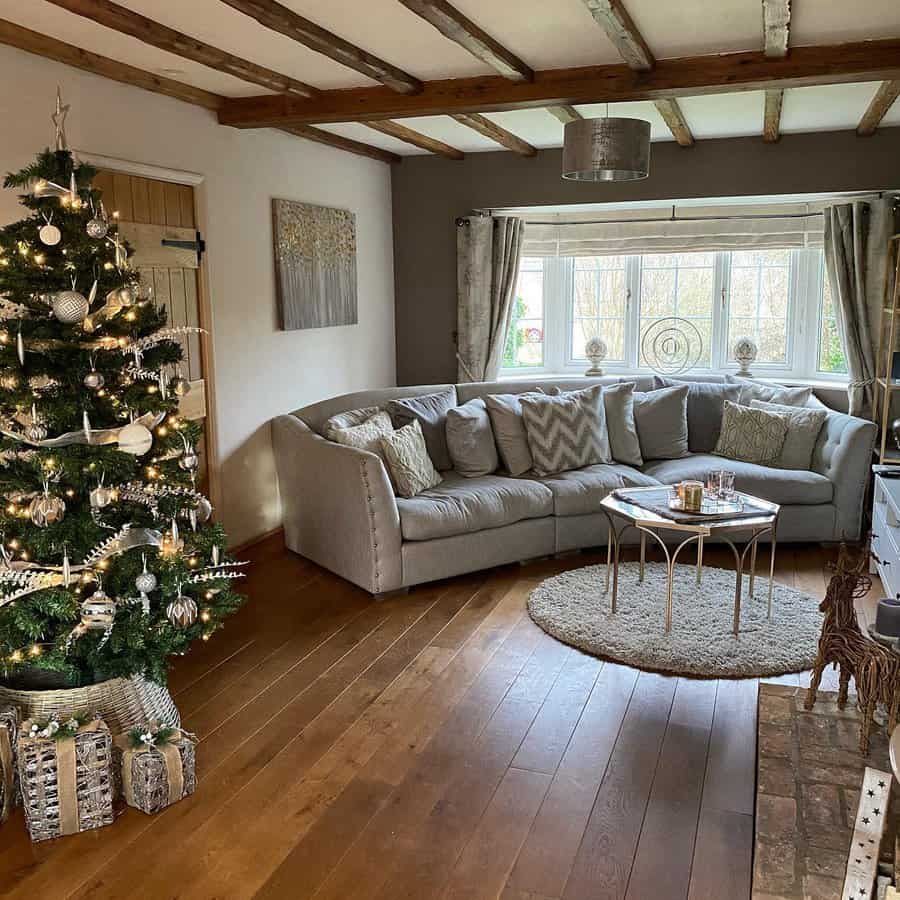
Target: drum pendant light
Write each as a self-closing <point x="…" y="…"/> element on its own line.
<point x="607" y="149"/>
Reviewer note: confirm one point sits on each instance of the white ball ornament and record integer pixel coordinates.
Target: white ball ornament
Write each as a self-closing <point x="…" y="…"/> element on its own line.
<point x="179" y="386"/>
<point x="135" y="439"/>
<point x="69" y="307"/>
<point x="204" y="509"/>
<point x="145" y="582"/>
<point x="101" y="496"/>
<point x="50" y="235"/>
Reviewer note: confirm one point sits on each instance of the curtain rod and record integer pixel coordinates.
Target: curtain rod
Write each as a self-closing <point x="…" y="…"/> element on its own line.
<point x="675" y="219"/>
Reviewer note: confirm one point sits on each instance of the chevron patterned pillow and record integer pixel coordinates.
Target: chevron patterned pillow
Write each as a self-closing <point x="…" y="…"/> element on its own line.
<point x="567" y="431"/>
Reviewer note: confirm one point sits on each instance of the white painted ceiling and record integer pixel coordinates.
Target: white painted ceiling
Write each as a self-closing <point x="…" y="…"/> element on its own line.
<point x="544" y="33"/>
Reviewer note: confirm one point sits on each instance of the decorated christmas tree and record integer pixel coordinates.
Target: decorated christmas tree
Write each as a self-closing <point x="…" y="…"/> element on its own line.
<point x="109" y="563"/>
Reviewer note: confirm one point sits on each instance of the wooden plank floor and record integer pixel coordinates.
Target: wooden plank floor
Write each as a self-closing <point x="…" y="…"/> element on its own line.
<point x="435" y="745"/>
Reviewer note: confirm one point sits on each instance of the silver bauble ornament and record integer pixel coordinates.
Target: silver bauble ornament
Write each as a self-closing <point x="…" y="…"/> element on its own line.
<point x="179" y="386"/>
<point x="49" y="235"/>
<point x="94" y="380"/>
<point x="46" y="510"/>
<point x="98" y="611"/>
<point x="135" y="439"/>
<point x="97" y="228"/>
<point x="188" y="461"/>
<point x="182" y="611"/>
<point x="101" y="496"/>
<point x="145" y="582"/>
<point x="69" y="307"/>
<point x="204" y="509"/>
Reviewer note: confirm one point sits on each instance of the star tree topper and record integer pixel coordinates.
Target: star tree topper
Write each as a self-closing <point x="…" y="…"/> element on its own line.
<point x="59" y="120"/>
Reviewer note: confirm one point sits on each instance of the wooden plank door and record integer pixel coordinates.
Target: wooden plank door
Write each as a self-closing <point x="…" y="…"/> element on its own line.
<point x="150" y="211"/>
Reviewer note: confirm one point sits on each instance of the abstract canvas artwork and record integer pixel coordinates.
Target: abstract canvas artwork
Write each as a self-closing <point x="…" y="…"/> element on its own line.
<point x="315" y="265"/>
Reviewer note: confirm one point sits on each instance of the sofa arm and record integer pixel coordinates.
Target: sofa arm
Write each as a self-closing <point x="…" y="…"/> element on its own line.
<point x="843" y="454"/>
<point x="338" y="506"/>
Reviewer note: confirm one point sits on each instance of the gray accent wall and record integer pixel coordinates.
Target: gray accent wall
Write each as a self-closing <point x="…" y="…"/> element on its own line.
<point x="429" y="192"/>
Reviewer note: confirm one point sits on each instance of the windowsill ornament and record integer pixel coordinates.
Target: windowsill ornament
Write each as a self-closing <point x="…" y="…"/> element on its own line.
<point x="745" y="351"/>
<point x="596" y="350"/>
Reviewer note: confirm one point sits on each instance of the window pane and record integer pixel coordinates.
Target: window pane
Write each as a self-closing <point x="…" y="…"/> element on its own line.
<point x="525" y="338"/>
<point x="678" y="284"/>
<point x="598" y="305"/>
<point x="831" y="353"/>
<point x="759" y="300"/>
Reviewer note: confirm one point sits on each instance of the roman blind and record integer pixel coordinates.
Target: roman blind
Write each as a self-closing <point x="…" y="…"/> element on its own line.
<point x="675" y="229"/>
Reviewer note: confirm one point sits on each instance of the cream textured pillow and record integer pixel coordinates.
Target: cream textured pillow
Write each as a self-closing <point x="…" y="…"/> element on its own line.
<point x="804" y="425"/>
<point x="366" y="436"/>
<point x="349" y="419"/>
<point x="408" y="461"/>
<point x="751" y="435"/>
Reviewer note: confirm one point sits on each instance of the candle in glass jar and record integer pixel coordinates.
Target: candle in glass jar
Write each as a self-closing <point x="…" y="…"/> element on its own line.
<point x="692" y="495"/>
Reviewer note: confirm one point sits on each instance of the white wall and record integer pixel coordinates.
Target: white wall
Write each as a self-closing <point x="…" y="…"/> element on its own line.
<point x="261" y="371"/>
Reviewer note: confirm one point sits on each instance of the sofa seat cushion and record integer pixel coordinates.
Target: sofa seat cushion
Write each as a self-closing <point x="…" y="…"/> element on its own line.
<point x="460" y="505"/>
<point x="580" y="491"/>
<point x="783" y="486"/>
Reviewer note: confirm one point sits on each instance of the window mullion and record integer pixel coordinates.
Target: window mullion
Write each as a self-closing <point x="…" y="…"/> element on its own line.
<point x="556" y="314"/>
<point x="632" y="311"/>
<point x="718" y="356"/>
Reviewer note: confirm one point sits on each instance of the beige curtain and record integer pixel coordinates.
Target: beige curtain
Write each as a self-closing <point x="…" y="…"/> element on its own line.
<point x="488" y="249"/>
<point x="856" y="256"/>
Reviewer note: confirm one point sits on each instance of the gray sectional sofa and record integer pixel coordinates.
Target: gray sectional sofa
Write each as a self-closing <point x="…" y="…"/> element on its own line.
<point x="341" y="512"/>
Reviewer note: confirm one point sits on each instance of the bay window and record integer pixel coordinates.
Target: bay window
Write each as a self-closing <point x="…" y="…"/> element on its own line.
<point x="779" y="297"/>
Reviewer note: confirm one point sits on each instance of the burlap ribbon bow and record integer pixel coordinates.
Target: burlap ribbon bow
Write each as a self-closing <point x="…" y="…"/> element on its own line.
<point x="171" y="757"/>
<point x="67" y="774"/>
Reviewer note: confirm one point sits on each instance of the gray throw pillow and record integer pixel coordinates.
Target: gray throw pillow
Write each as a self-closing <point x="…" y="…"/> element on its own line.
<point x="804" y="426"/>
<point x="505" y="411"/>
<point x="349" y="419"/>
<point x="769" y="392"/>
<point x="751" y="435"/>
<point x="705" y="405"/>
<point x="567" y="431"/>
<point x="470" y="439"/>
<point x="661" y="420"/>
<point x="618" y="399"/>
<point x="430" y="410"/>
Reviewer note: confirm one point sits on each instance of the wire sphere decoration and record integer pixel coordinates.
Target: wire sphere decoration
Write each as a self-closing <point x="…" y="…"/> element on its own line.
<point x="672" y="345"/>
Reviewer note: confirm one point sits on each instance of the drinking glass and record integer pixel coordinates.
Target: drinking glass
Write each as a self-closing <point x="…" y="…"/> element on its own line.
<point x="726" y="485"/>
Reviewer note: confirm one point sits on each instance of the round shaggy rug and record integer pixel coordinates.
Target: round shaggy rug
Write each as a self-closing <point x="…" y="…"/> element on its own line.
<point x="573" y="608"/>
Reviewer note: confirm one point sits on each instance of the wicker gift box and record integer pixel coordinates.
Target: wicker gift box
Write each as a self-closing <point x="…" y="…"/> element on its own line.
<point x="156" y="766"/>
<point x="9" y="722"/>
<point x="66" y="782"/>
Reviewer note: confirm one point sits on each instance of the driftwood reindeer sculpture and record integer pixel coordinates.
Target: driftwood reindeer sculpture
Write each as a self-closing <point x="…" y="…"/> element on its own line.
<point x="875" y="668"/>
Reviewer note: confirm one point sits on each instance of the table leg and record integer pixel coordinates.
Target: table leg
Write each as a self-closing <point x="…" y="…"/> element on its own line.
<point x="737" y="598"/>
<point x="772" y="570"/>
<point x="699" y="560"/>
<point x="615" y="584"/>
<point x="643" y="556"/>
<point x="752" y="565"/>
<point x="669" y="580"/>
<point x="608" y="558"/>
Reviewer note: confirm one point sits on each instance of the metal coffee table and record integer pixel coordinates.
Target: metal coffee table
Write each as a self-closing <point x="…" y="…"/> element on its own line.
<point x="617" y="507"/>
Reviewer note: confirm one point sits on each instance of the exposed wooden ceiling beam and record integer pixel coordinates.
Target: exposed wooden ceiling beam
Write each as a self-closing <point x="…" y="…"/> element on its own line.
<point x="672" y="115"/>
<point x="495" y="132"/>
<point x="772" y="116"/>
<point x="612" y="16"/>
<point x="279" y="18"/>
<point x="565" y="114"/>
<point x="50" y="48"/>
<point x="690" y="76"/>
<point x="451" y="23"/>
<point x="417" y="139"/>
<point x="320" y="136"/>
<point x="883" y="100"/>
<point x="776" y="35"/>
<point x="123" y="20"/>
